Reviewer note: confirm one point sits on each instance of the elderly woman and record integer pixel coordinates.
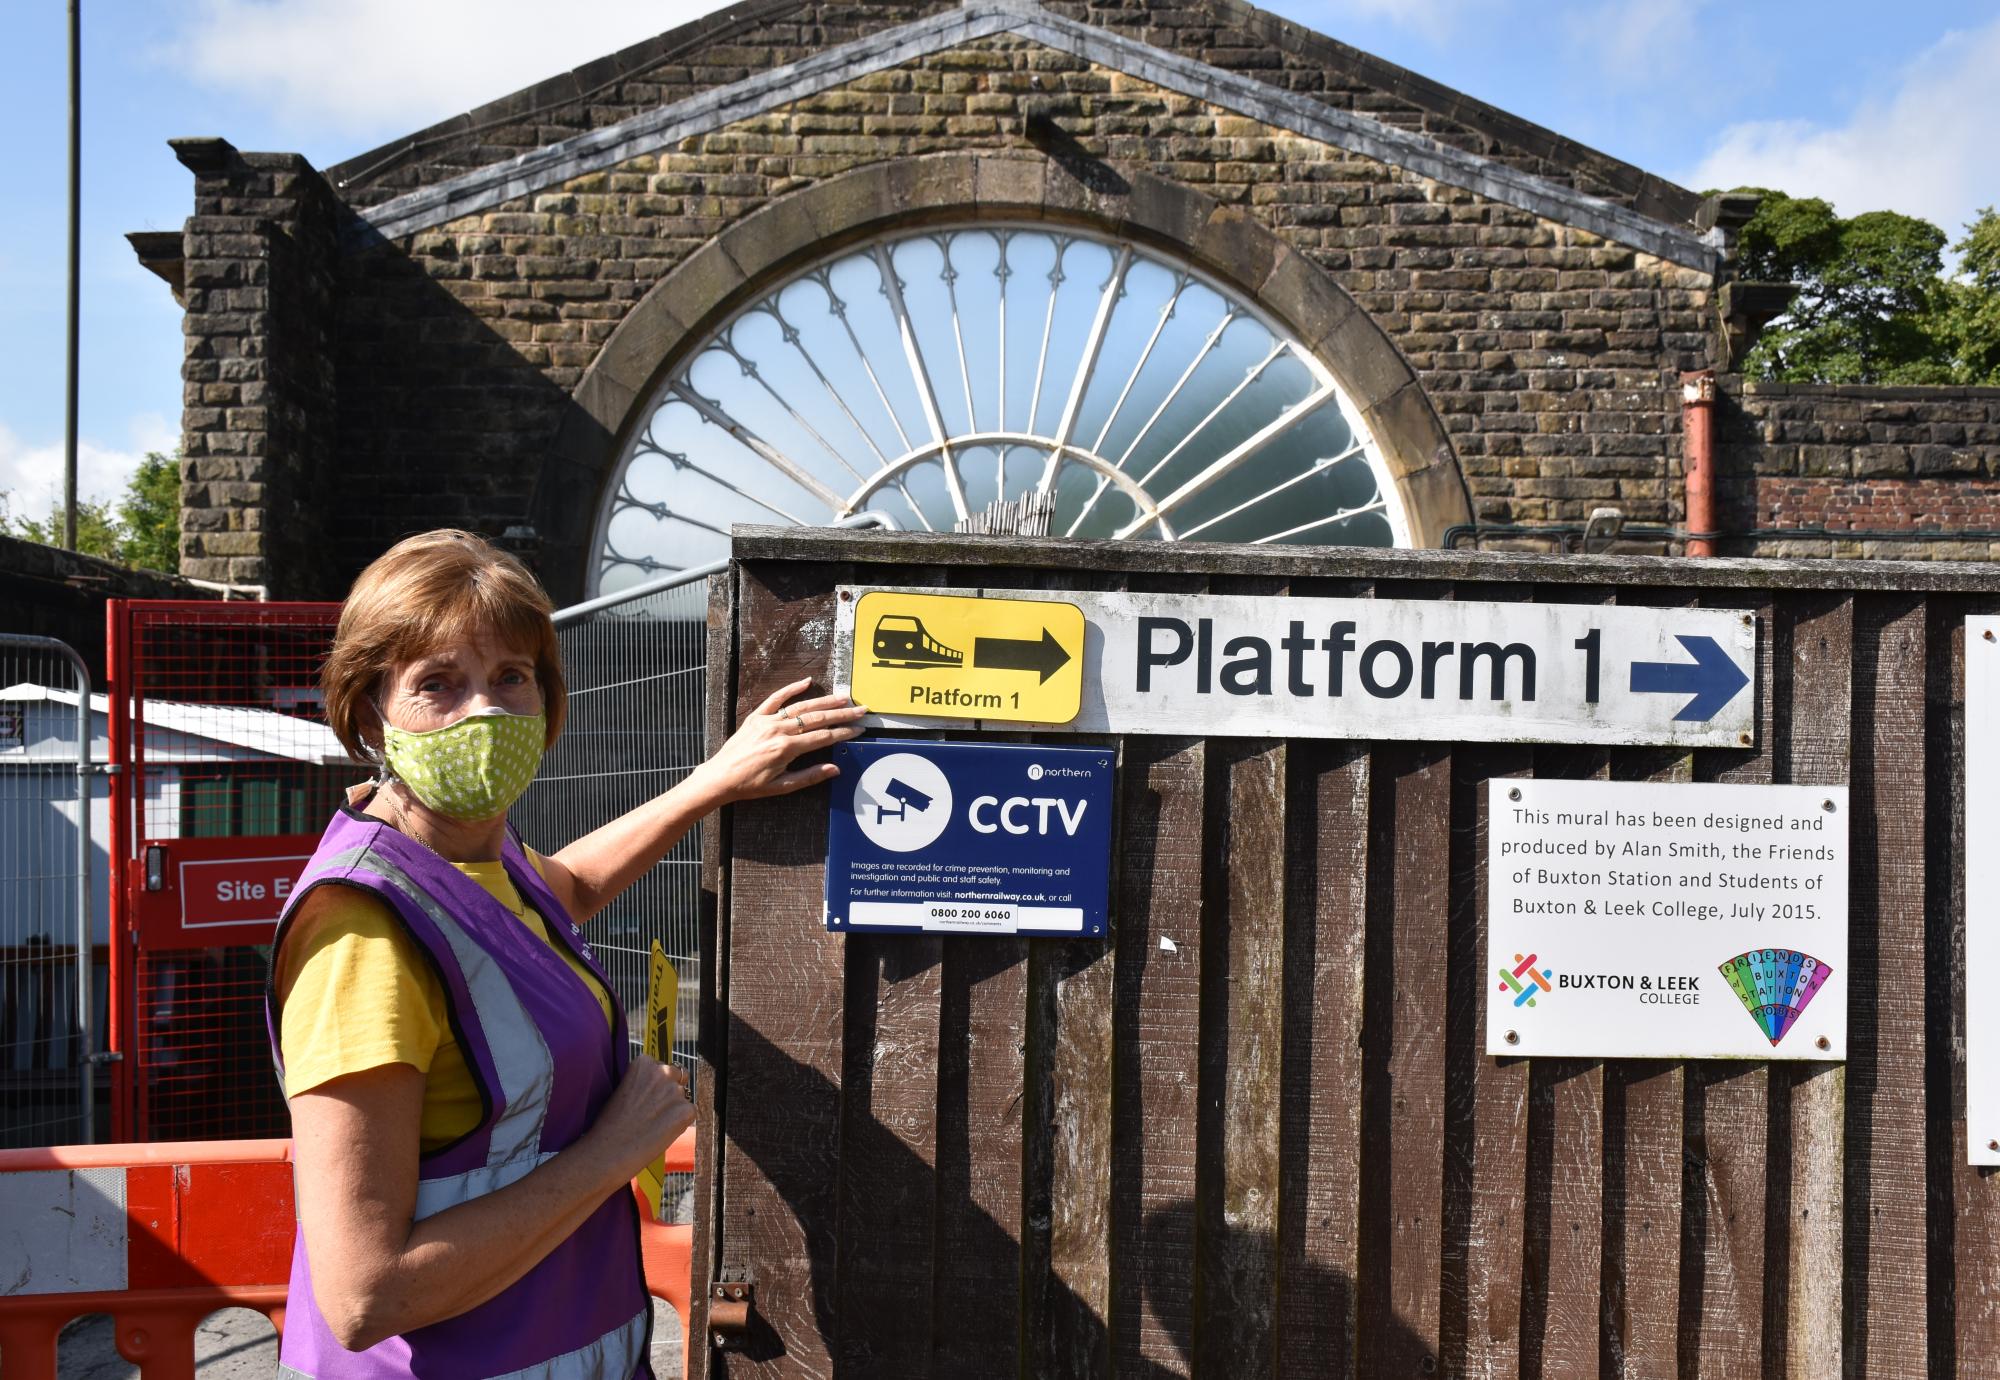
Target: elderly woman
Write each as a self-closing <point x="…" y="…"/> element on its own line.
<point x="465" y="1114"/>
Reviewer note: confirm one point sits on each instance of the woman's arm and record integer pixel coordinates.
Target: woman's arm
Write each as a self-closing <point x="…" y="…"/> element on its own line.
<point x="375" y="1272"/>
<point x="756" y="761"/>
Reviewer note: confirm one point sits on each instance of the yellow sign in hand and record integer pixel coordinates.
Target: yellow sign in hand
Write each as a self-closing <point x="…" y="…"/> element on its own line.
<point x="953" y="656"/>
<point x="663" y="995"/>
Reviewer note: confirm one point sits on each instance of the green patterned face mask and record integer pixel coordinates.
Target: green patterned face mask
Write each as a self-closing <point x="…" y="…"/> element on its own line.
<point x="469" y="770"/>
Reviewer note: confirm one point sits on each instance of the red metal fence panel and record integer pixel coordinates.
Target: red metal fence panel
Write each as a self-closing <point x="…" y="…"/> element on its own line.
<point x="226" y="773"/>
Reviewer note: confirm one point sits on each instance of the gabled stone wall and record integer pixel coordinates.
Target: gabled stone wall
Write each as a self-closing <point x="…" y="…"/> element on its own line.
<point x="344" y="389"/>
<point x="1551" y="355"/>
<point x="740" y="40"/>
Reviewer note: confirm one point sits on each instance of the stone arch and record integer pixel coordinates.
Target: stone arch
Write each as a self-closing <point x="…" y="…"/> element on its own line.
<point x="815" y="221"/>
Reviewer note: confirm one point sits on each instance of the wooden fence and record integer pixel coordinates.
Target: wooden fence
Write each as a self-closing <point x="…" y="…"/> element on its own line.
<point x="1254" y="1131"/>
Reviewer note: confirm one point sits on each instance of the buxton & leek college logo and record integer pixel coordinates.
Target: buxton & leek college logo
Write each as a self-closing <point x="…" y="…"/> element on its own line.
<point x="1525" y="980"/>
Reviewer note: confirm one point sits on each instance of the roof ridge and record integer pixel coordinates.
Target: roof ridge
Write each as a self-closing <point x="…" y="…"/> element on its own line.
<point x="565" y="87"/>
<point x="1417" y="151"/>
<point x="1653" y="195"/>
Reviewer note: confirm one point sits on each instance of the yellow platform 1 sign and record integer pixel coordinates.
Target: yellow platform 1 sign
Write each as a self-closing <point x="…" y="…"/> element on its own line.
<point x="954" y="656"/>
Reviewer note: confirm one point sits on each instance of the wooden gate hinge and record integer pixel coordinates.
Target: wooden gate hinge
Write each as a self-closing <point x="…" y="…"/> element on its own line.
<point x="729" y="1306"/>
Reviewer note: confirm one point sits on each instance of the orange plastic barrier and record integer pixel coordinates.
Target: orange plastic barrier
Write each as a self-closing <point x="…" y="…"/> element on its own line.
<point x="160" y="1236"/>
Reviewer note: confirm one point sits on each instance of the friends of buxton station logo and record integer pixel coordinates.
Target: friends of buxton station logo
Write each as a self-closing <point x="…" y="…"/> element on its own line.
<point x="1525" y="980"/>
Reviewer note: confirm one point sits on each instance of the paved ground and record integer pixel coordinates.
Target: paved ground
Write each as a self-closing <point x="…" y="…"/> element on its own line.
<point x="238" y="1344"/>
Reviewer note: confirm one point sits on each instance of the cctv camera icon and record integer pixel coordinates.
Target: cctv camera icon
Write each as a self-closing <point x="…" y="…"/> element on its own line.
<point x="902" y="802"/>
<point x="907" y="798"/>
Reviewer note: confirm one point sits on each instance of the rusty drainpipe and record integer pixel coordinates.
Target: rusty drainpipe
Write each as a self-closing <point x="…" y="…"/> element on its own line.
<point x="1698" y="424"/>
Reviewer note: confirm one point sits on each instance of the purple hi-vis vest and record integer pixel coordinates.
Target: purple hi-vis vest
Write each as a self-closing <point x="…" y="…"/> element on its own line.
<point x="536" y="1041"/>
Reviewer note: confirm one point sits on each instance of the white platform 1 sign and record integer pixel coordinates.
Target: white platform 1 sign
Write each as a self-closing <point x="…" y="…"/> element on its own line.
<point x="1982" y="889"/>
<point x="1213" y="665"/>
<point x="1666" y="920"/>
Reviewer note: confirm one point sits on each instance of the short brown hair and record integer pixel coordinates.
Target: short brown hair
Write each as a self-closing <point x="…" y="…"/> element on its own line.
<point x="423" y="594"/>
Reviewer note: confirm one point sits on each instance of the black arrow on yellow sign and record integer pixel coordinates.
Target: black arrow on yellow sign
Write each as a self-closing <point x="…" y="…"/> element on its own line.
<point x="1046" y="656"/>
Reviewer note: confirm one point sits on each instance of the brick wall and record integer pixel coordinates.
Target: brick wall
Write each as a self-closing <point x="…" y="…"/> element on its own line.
<point x="1826" y="471"/>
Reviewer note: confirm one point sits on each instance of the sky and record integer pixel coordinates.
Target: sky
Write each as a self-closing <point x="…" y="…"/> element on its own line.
<point x="1871" y="106"/>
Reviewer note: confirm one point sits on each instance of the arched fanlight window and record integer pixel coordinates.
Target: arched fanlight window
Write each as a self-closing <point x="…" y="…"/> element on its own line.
<point x="933" y="373"/>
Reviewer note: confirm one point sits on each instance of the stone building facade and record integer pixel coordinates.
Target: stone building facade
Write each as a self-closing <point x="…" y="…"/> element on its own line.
<point x="475" y="325"/>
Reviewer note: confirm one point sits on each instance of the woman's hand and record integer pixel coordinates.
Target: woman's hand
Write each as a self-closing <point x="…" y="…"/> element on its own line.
<point x="378" y="1272"/>
<point x="647" y="1112"/>
<point x="756" y="760"/>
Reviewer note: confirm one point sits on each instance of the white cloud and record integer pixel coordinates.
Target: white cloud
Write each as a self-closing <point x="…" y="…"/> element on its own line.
<point x="31" y="475"/>
<point x="1435" y="19"/>
<point x="1644" y="42"/>
<point x="358" y="67"/>
<point x="1925" y="147"/>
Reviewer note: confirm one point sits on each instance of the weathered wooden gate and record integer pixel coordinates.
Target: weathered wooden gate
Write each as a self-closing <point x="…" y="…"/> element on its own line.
<point x="1254" y="1132"/>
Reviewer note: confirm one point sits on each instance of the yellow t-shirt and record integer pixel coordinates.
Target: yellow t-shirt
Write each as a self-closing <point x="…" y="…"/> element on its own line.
<point x="363" y="994"/>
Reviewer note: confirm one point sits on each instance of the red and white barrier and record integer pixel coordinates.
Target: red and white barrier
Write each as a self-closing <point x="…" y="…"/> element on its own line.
<point x="160" y="1236"/>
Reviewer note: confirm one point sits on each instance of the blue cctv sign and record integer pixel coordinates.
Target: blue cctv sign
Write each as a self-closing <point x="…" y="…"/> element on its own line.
<point x="969" y="838"/>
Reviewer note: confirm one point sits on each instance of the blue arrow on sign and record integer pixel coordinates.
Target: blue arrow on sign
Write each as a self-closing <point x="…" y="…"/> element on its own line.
<point x="1713" y="678"/>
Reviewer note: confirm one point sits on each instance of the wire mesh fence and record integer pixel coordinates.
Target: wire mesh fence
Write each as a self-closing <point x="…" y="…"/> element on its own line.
<point x="636" y="676"/>
<point x="51" y="936"/>
<point x="200" y="1039"/>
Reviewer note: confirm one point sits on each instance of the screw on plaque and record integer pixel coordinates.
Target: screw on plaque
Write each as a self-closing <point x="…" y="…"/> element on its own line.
<point x="1514" y="794"/>
<point x="1827" y="805"/>
<point x="1823" y="1043"/>
<point x="1513" y="1037"/>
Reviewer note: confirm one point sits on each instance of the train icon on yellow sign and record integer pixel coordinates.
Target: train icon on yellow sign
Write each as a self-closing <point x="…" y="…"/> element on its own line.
<point x="955" y="656"/>
<point x="900" y="640"/>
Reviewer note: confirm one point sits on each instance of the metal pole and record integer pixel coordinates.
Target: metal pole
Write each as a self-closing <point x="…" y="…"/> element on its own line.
<point x="75" y="201"/>
<point x="694" y="574"/>
<point x="85" y="969"/>
<point x="1698" y="414"/>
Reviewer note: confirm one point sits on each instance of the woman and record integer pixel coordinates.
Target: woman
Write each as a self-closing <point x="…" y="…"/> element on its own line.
<point x="464" y="1114"/>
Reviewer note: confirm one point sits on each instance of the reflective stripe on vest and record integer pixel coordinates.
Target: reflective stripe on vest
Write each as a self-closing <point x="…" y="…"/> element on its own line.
<point x="521" y="1058"/>
<point x="435" y="1195"/>
<point x="614" y="1356"/>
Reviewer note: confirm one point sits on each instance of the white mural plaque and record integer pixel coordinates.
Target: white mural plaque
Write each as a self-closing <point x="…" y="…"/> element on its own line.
<point x="1666" y="920"/>
<point x="1982" y="889"/>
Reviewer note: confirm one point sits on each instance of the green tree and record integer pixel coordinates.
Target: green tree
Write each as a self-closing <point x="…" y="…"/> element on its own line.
<point x="149" y="516"/>
<point x="1873" y="303"/>
<point x="96" y="528"/>
<point x="1969" y="317"/>
<point x="1870" y="293"/>
<point x="143" y="529"/>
